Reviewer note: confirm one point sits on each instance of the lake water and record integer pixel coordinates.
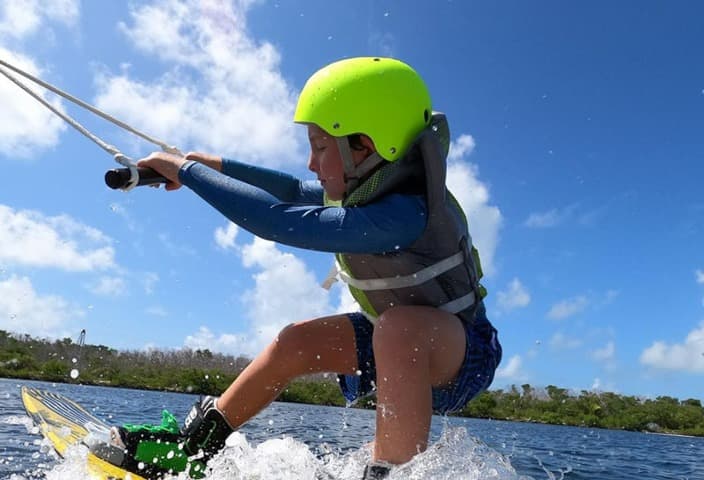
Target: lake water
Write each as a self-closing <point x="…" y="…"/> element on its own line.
<point x="290" y="441"/>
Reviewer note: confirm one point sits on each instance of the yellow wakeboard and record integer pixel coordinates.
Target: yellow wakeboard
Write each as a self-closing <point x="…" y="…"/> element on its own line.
<point x="65" y="424"/>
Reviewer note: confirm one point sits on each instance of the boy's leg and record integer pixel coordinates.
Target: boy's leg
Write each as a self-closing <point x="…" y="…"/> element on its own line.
<point x="322" y="345"/>
<point x="416" y="348"/>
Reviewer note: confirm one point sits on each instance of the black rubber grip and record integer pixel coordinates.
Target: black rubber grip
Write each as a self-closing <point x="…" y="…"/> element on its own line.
<point x="120" y="177"/>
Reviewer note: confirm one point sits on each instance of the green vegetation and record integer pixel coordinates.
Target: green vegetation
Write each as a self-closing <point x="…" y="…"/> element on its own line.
<point x="557" y="406"/>
<point x="205" y="372"/>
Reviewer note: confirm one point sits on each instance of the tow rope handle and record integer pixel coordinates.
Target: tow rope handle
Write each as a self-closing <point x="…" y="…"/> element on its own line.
<point x="119" y="178"/>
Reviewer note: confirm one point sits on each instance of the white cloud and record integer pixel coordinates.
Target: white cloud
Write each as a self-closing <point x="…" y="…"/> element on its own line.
<point x="551" y="218"/>
<point x="700" y="276"/>
<point x="561" y="341"/>
<point x="22" y="18"/>
<point x="606" y="353"/>
<point x="516" y="296"/>
<point x="174" y="248"/>
<point x="512" y="370"/>
<point x="568" y="308"/>
<point x="109" y="286"/>
<point x="346" y="302"/>
<point x="284" y="290"/>
<point x="26" y="126"/>
<point x="543" y="219"/>
<point x="687" y="356"/>
<point x="23" y="310"/>
<point x="224" y="92"/>
<point x="596" y="385"/>
<point x="157" y="311"/>
<point x="462" y="147"/>
<point x="484" y="220"/>
<point x="31" y="238"/>
<point x="149" y="280"/>
<point x="225" y="237"/>
<point x="599" y="386"/>
<point x="223" y="343"/>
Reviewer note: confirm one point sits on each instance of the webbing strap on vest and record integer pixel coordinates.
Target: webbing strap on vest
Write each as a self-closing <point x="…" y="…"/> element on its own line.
<point x="404" y="281"/>
<point x="459" y="304"/>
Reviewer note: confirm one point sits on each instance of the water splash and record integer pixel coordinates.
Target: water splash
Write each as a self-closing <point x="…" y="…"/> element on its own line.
<point x="456" y="455"/>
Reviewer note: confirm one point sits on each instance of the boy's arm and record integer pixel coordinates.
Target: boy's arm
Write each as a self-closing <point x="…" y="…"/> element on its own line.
<point x="391" y="223"/>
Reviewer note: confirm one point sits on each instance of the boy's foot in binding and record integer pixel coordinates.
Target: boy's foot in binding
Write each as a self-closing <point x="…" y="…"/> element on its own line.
<point x="155" y="450"/>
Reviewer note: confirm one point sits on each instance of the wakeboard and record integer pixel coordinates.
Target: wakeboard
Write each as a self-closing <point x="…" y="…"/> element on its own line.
<point x="65" y="424"/>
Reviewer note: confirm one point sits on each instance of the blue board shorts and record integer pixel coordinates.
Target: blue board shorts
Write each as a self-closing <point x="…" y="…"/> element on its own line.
<point x="482" y="357"/>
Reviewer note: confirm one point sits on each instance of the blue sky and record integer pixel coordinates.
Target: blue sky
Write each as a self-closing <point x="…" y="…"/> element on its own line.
<point x="577" y="152"/>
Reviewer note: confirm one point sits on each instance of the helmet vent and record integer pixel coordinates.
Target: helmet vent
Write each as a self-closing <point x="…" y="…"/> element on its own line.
<point x="336" y="125"/>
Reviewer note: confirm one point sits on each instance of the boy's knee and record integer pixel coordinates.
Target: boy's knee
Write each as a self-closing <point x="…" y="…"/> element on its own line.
<point x="396" y="327"/>
<point x="289" y="342"/>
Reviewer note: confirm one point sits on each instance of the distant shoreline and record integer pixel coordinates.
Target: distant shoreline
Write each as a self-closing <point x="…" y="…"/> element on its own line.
<point x="204" y="372"/>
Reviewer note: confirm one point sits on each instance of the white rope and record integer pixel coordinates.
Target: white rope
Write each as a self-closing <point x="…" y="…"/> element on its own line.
<point x="163" y="145"/>
<point x="105" y="146"/>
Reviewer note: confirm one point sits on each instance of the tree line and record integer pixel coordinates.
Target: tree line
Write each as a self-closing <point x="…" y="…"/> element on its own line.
<point x="201" y="371"/>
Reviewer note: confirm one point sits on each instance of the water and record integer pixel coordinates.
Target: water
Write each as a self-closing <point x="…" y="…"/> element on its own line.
<point x="289" y="441"/>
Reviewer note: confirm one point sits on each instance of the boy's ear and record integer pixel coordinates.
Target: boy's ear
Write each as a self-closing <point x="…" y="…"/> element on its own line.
<point x="368" y="143"/>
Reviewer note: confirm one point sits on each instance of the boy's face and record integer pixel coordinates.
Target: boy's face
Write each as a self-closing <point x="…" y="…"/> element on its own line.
<point x="326" y="162"/>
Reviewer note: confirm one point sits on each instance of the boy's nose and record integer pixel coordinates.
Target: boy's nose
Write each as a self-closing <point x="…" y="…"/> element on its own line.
<point x="312" y="164"/>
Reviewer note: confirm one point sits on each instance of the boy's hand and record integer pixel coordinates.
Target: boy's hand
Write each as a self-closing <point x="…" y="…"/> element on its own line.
<point x="167" y="165"/>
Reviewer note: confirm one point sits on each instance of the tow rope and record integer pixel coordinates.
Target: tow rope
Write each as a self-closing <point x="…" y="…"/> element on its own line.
<point x="122" y="178"/>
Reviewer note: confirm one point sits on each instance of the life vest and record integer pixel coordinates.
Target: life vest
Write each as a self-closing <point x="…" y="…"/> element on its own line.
<point x="441" y="268"/>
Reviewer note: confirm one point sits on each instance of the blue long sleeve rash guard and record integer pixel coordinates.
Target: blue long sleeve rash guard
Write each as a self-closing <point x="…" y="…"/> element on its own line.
<point x="279" y="207"/>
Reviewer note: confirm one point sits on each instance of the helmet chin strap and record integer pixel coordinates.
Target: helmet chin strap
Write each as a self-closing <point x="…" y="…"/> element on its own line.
<point x="354" y="173"/>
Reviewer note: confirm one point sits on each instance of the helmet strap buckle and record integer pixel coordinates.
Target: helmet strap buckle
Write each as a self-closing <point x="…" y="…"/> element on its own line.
<point x="354" y="173"/>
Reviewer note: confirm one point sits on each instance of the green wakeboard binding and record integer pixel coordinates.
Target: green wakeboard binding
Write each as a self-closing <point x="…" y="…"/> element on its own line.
<point x="153" y="451"/>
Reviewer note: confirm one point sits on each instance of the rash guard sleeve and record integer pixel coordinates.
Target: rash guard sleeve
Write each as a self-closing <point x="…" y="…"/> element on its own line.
<point x="391" y="223"/>
<point x="283" y="186"/>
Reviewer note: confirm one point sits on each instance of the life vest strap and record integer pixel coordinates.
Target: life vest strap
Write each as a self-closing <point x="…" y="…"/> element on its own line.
<point x="405" y="281"/>
<point x="459" y="304"/>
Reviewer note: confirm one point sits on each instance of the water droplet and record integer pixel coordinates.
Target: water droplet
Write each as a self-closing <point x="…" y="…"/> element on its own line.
<point x="74" y="373"/>
<point x="74" y="360"/>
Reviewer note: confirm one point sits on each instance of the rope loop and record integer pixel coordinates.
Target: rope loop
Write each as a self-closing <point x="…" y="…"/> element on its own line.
<point x="126" y="161"/>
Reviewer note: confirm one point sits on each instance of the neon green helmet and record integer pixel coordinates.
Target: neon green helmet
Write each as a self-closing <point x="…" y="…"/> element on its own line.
<point x="382" y="98"/>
